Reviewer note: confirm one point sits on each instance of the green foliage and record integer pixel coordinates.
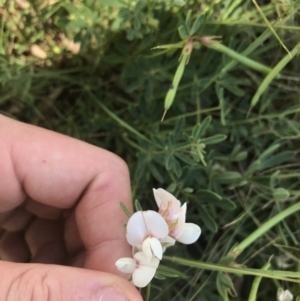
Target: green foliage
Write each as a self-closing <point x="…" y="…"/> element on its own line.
<point x="229" y="143"/>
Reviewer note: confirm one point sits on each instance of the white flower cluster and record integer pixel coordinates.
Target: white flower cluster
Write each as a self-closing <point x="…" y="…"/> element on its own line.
<point x="150" y="233"/>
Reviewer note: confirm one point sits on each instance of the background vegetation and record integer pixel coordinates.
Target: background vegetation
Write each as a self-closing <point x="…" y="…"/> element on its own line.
<point x="228" y="145"/>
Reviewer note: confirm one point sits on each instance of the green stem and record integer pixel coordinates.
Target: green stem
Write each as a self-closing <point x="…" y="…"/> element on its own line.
<point x="240" y="58"/>
<point x="116" y="118"/>
<point x="263" y="229"/>
<point x="256" y="282"/>
<point x="270" y="26"/>
<point x="275" y="71"/>
<point x="280" y="275"/>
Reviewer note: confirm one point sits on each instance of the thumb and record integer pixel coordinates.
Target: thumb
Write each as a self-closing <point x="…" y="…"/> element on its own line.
<point x="45" y="282"/>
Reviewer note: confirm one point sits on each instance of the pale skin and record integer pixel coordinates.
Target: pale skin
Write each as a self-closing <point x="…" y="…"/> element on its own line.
<point x="60" y="216"/>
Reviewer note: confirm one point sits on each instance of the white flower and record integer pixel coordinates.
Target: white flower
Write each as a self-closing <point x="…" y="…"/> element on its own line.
<point x="140" y="267"/>
<point x="284" y="295"/>
<point x="144" y="230"/>
<point x="167" y="242"/>
<point x="171" y="210"/>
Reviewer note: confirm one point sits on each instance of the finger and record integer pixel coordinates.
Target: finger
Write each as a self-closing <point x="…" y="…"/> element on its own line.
<point x="13" y="247"/>
<point x="41" y="210"/>
<point x="17" y="219"/>
<point x="60" y="171"/>
<point x="72" y="236"/>
<point x="45" y="241"/>
<point x="44" y="282"/>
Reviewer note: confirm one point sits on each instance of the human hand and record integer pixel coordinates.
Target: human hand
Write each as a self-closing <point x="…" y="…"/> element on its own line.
<point x="60" y="218"/>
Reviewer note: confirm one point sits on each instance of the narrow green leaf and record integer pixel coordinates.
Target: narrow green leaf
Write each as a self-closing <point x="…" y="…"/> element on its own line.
<point x="221" y="289"/>
<point x="240" y="156"/>
<point x="172" y="187"/>
<point x="208" y="220"/>
<point x="271" y="149"/>
<point x="184" y="158"/>
<point x="214" y="199"/>
<point x="157" y="141"/>
<point x="179" y="126"/>
<point x="214" y="139"/>
<point x="140" y="5"/>
<point x="125" y="210"/>
<point x="253" y="167"/>
<point x="291" y="110"/>
<point x="188" y="190"/>
<point x="188" y="21"/>
<point x="168" y="270"/>
<point x="140" y="170"/>
<point x="225" y="280"/>
<point x="208" y="196"/>
<point x="177" y="168"/>
<point x="200" y="129"/>
<point x="155" y="172"/>
<point x="177" y="77"/>
<point x="226" y="204"/>
<point x="227" y="177"/>
<point x="197" y="24"/>
<point x="182" y="33"/>
<point x="137" y="206"/>
<point x="270" y="26"/>
<point x="169" y="161"/>
<point x="220" y="94"/>
<point x="276" y="160"/>
<point x="159" y="276"/>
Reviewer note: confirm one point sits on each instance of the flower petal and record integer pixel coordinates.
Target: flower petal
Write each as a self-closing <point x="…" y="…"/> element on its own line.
<point x="177" y="231"/>
<point x="166" y="201"/>
<point x="167" y="242"/>
<point x="145" y="271"/>
<point x="156" y="248"/>
<point x="146" y="248"/>
<point x="155" y="223"/>
<point x="190" y="234"/>
<point x="126" y="265"/>
<point x="136" y="229"/>
<point x="284" y="295"/>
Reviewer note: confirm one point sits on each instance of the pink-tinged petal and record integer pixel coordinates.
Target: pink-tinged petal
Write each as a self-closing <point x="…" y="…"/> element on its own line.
<point x="155" y="223"/>
<point x="158" y="200"/>
<point x="136" y="229"/>
<point x="167" y="242"/>
<point x="126" y="265"/>
<point x="166" y="200"/>
<point x="177" y="231"/>
<point x="190" y="234"/>
<point x="145" y="271"/>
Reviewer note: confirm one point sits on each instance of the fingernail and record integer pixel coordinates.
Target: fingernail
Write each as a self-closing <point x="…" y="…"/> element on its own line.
<point x="112" y="294"/>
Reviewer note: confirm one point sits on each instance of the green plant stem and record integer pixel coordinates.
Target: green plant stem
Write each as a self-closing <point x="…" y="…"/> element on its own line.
<point x="116" y="118"/>
<point x="273" y="74"/>
<point x="148" y="290"/>
<point x="270" y="26"/>
<point x="240" y="58"/>
<point x="264" y="36"/>
<point x="256" y="282"/>
<point x="263" y="229"/>
<point x="280" y="275"/>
